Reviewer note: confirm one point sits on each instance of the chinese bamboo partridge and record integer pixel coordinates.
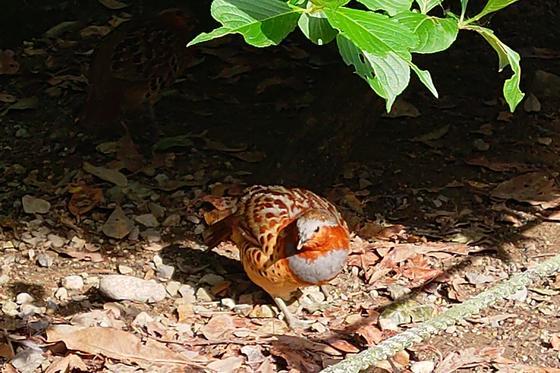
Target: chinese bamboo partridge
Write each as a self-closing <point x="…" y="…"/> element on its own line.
<point x="287" y="239"/>
<point x="134" y="63"/>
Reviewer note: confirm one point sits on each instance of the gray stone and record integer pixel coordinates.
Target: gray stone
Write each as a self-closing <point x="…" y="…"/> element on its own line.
<point x="121" y="287"/>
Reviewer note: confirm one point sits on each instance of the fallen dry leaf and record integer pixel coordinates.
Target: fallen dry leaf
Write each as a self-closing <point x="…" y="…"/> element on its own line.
<point x="469" y="357"/>
<point x="114" y="344"/>
<point x="69" y="363"/>
<point x="343" y="345"/>
<point x="535" y="188"/>
<point x="219" y="327"/>
<point x="8" y="64"/>
<point x="84" y="199"/>
<point x="228" y="365"/>
<point x="118" y="225"/>
<point x="113" y="4"/>
<point x="107" y="174"/>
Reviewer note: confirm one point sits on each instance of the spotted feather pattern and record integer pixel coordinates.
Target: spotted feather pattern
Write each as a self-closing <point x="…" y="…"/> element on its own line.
<point x="267" y="210"/>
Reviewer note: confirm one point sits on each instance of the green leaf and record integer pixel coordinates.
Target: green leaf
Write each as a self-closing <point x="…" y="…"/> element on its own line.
<point x="262" y="23"/>
<point x="427" y="5"/>
<point x="388" y="75"/>
<point x="463" y="8"/>
<point x="493" y="6"/>
<point x="372" y="32"/>
<point x="392" y="7"/>
<point x="317" y="28"/>
<point x="434" y="34"/>
<point x="425" y="78"/>
<point x="330" y="3"/>
<point x="506" y="56"/>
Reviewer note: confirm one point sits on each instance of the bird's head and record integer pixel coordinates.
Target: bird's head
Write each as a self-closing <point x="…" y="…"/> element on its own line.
<point x="314" y="228"/>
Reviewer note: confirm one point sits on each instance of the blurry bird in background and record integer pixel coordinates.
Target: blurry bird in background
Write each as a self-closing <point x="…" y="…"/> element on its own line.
<point x="133" y="64"/>
<point x="287" y="239"/>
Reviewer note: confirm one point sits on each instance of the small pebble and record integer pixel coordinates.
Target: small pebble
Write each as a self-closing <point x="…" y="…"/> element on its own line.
<point x="56" y="240"/>
<point x="173" y="288"/>
<point x="481" y="145"/>
<point x="187" y="293"/>
<point x="32" y="205"/>
<point x="73" y="282"/>
<point x="121" y="287"/>
<point x="147" y="220"/>
<point x="202" y="295"/>
<point x="211" y="279"/>
<point x="10" y="308"/>
<point x="426" y="366"/>
<point x="125" y="270"/>
<point x="172" y="220"/>
<point x="165" y="271"/>
<point x="27" y="310"/>
<point x="151" y="235"/>
<point x="44" y="260"/>
<point x="61" y="294"/>
<point x="24" y="298"/>
<point x="228" y="303"/>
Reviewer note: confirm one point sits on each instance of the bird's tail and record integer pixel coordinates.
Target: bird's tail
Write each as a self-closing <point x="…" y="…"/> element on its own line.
<point x="219" y="220"/>
<point x="218" y="232"/>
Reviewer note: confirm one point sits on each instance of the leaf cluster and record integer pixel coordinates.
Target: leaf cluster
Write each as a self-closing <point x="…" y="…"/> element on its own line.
<point x="378" y="38"/>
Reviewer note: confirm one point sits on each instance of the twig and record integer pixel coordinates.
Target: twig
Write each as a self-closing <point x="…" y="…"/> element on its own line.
<point x="459" y="312"/>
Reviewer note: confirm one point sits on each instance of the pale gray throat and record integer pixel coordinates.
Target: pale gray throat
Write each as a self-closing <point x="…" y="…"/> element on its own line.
<point x="324" y="268"/>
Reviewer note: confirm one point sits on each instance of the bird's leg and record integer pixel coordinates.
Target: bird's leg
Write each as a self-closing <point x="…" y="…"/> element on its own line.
<point x="293" y="322"/>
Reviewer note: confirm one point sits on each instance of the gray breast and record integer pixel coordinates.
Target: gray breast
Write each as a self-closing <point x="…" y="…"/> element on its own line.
<point x="321" y="269"/>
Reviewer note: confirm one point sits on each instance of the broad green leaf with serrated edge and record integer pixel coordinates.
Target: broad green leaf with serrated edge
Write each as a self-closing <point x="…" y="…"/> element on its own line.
<point x="388" y="75"/>
<point x="427" y="5"/>
<point x="317" y="28"/>
<point x="434" y="34"/>
<point x="372" y="32"/>
<point x="506" y="56"/>
<point x="262" y="23"/>
<point x="493" y="6"/>
<point x="425" y="78"/>
<point x="392" y="7"/>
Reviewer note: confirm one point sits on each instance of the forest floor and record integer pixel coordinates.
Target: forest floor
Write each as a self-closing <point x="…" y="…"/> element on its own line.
<point x="445" y="198"/>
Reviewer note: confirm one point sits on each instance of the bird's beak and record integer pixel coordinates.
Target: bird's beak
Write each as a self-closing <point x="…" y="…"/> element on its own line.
<point x="300" y="245"/>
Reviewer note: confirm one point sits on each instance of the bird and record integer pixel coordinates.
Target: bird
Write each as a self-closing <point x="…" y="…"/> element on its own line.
<point x="134" y="63"/>
<point x="288" y="238"/>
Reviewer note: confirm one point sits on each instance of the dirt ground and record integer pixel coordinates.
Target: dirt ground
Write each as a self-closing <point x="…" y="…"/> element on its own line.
<point x="445" y="199"/>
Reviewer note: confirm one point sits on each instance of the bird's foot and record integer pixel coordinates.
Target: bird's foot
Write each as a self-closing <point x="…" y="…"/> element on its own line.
<point x="293" y="322"/>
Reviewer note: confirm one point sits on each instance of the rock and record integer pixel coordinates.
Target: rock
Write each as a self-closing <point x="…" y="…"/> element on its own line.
<point x="262" y="311"/>
<point x="202" y="295"/>
<point x="77" y="243"/>
<point x="61" y="294"/>
<point x="426" y="366"/>
<point x="28" y="360"/>
<point x="121" y="287"/>
<point x="187" y="293"/>
<point x="118" y="225"/>
<point x="56" y="241"/>
<point x="173" y="288"/>
<point x="24" y="298"/>
<point x="73" y="282"/>
<point x="22" y="133"/>
<point x="172" y="220"/>
<point x="211" y="279"/>
<point x="4" y="279"/>
<point x="157" y="210"/>
<point x="27" y="310"/>
<point x="125" y="270"/>
<point x="481" y="145"/>
<point x="10" y="308"/>
<point x="546" y="84"/>
<point x="147" y="220"/>
<point x="243" y="309"/>
<point x="44" y="260"/>
<point x="32" y="205"/>
<point x="151" y="235"/>
<point x="228" y="303"/>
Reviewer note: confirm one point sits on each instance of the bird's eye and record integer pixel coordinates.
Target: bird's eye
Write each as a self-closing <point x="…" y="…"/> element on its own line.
<point x="316" y="230"/>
